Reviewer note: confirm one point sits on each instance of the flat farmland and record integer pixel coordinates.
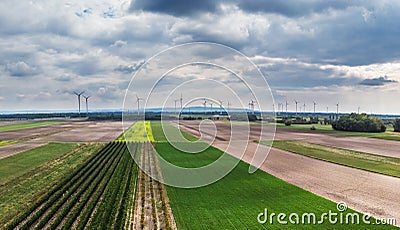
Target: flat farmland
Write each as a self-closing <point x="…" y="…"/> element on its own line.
<point x="85" y="131"/>
<point x="362" y="190"/>
<point x="235" y="201"/>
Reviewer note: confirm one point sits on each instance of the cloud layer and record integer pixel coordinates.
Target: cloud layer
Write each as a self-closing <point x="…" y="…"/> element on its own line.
<point x="306" y="49"/>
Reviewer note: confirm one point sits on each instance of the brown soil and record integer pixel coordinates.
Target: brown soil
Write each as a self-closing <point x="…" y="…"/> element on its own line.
<point x="152" y="209"/>
<point x="67" y="132"/>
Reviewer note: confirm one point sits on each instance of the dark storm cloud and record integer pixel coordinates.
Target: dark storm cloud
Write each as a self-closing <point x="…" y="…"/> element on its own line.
<point x="287" y="8"/>
<point x="380" y="81"/>
<point x="295" y="75"/>
<point x="294" y="8"/>
<point x="175" y="7"/>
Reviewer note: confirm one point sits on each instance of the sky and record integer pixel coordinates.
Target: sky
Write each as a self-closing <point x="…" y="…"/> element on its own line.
<point x="328" y="52"/>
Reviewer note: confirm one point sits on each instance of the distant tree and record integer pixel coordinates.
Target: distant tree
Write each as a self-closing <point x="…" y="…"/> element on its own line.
<point x="359" y="123"/>
<point x="396" y="125"/>
<point x="288" y="122"/>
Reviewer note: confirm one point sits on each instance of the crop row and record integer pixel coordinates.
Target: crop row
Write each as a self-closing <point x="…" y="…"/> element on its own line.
<point x="95" y="195"/>
<point x="152" y="206"/>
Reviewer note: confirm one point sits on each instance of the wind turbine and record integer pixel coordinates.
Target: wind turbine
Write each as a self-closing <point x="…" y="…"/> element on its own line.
<point x="337" y="110"/>
<point x="296" y="105"/>
<point x="181" y="100"/>
<point x="229" y="104"/>
<point x="304" y="107"/>
<point x="79" y="101"/>
<point x="138" y="99"/>
<point x="286" y="106"/>
<point x="175" y="104"/>
<point x="314" y="106"/>
<point x="251" y="105"/>
<point x="87" y="105"/>
<point x="358" y="109"/>
<point x="205" y="105"/>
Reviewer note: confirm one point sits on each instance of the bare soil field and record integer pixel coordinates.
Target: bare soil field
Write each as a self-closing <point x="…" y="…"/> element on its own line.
<point x="87" y="131"/>
<point x="363" y="191"/>
<point x="30" y="133"/>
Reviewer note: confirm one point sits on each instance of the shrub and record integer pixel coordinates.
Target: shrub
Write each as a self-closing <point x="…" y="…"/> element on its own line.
<point x="359" y="123"/>
<point x="396" y="125"/>
<point x="288" y="122"/>
<point x="313" y="128"/>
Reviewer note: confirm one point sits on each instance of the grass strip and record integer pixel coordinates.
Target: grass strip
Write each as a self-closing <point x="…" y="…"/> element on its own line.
<point x="4" y="143"/>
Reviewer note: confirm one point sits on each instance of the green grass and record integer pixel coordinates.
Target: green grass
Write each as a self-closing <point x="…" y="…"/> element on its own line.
<point x="4" y="143"/>
<point x="388" y="135"/>
<point x="28" y="125"/>
<point x="370" y="162"/>
<point x="159" y="136"/>
<point x="18" y="164"/>
<point x="26" y="177"/>
<point x="235" y="201"/>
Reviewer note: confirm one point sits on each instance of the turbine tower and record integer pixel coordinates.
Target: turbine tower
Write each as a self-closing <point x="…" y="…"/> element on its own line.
<point x="251" y="105"/>
<point x="138" y="99"/>
<point x="79" y="101"/>
<point x="205" y="106"/>
<point x="314" y="106"/>
<point x="286" y="106"/>
<point x="181" y="100"/>
<point x="87" y="105"/>
<point x="229" y="104"/>
<point x="175" y="104"/>
<point x="296" y="105"/>
<point x="304" y="108"/>
<point x="337" y="110"/>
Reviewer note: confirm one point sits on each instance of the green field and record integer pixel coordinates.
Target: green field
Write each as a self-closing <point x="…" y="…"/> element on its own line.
<point x="388" y="135"/>
<point x="370" y="162"/>
<point x="98" y="194"/>
<point x="235" y="201"/>
<point x="27" y="176"/>
<point x="158" y="133"/>
<point x="34" y="124"/>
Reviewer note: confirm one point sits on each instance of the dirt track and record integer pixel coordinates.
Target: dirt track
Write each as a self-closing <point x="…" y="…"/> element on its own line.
<point x="363" y="191"/>
<point x="67" y="132"/>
